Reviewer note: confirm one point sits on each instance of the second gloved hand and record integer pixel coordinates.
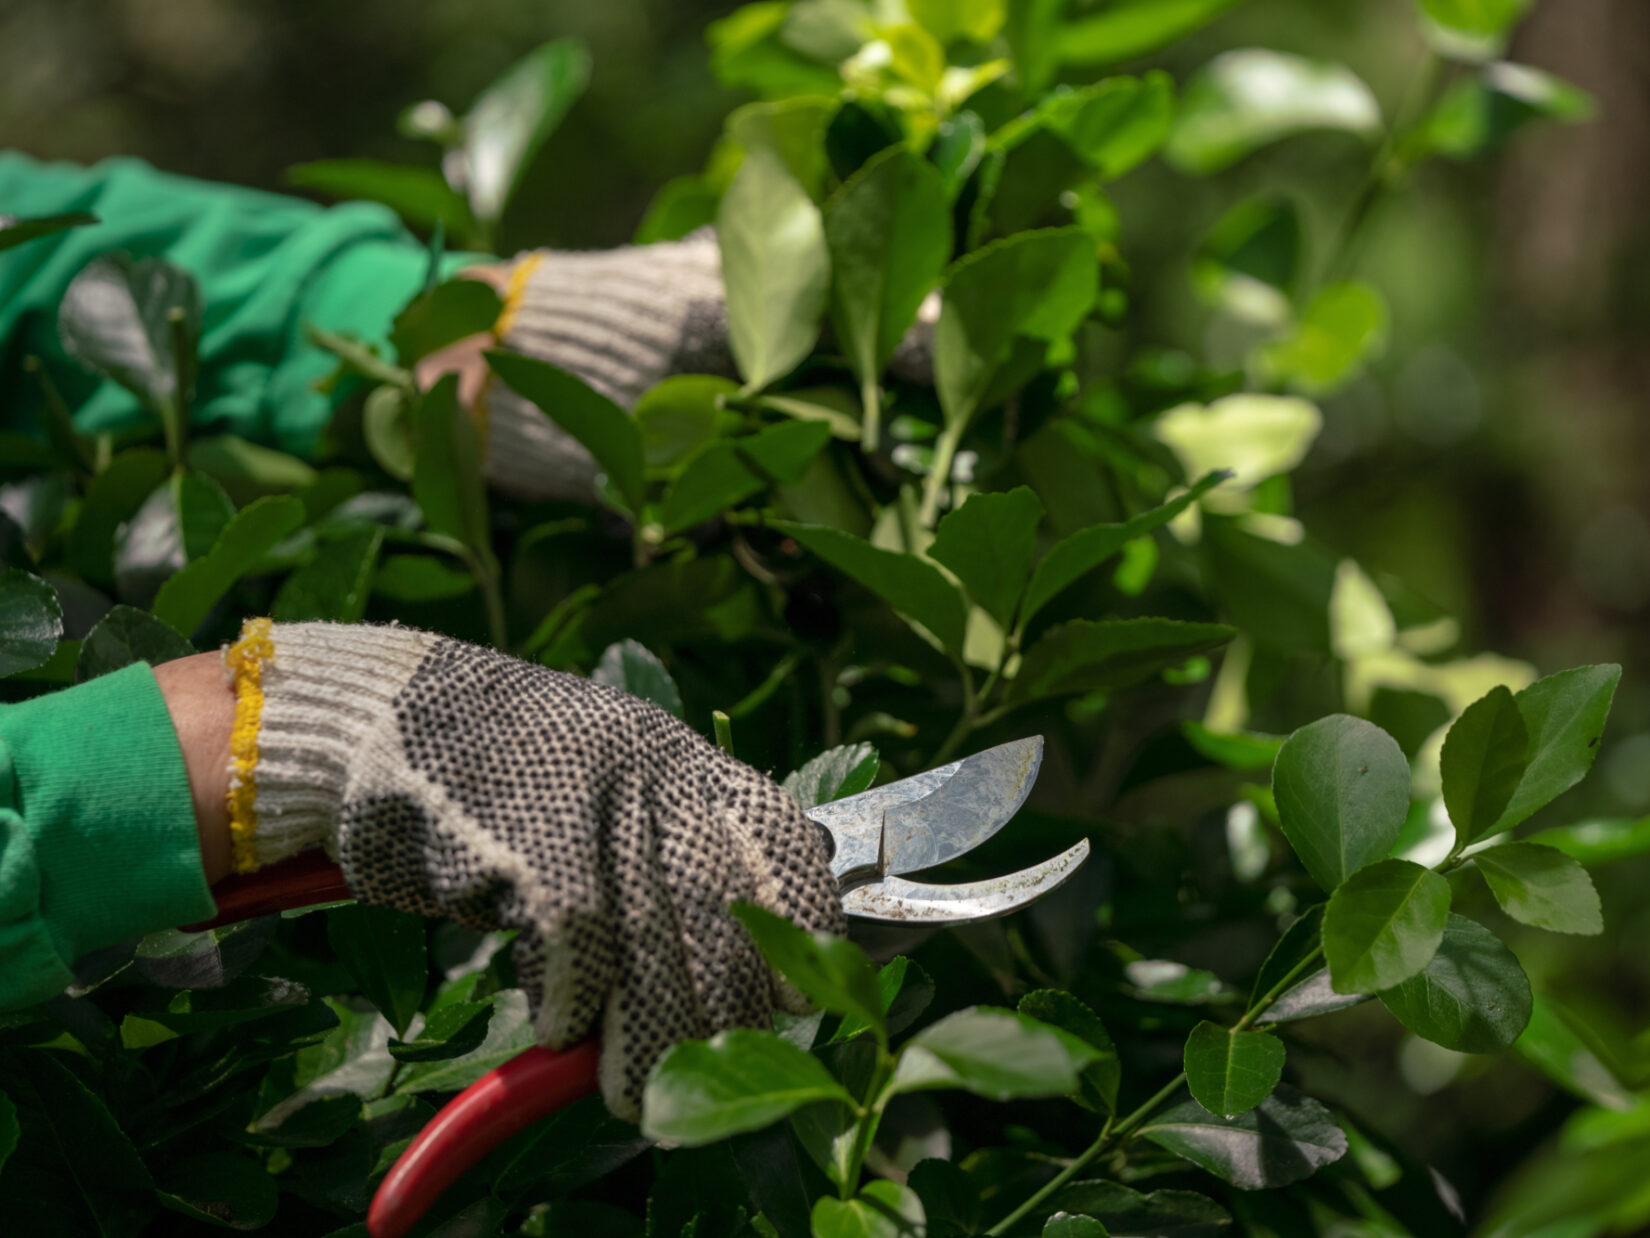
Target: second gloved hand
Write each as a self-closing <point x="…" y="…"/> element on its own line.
<point x="450" y="780"/>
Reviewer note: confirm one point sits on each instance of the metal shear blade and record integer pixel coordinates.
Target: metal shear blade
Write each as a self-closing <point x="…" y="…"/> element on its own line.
<point x="931" y="818"/>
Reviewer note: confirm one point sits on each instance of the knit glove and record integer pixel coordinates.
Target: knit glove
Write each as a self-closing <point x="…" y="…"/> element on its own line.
<point x="621" y="320"/>
<point x="449" y="780"/>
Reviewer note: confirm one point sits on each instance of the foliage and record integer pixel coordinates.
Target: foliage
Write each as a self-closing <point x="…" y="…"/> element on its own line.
<point x="871" y="569"/>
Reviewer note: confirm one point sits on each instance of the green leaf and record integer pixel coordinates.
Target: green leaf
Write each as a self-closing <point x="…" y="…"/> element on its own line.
<point x="1071" y="1225"/>
<point x="731" y="470"/>
<point x="418" y="195"/>
<point x="911" y="585"/>
<point x="775" y="266"/>
<point x="449" y="1032"/>
<point x="336" y="583"/>
<point x="248" y="470"/>
<point x="678" y="416"/>
<point x="988" y="543"/>
<point x="950" y="1200"/>
<point x="1563" y="1048"/>
<point x="203" y="511"/>
<point x="114" y="320"/>
<point x="419" y="578"/>
<point x="834" y="774"/>
<point x="631" y="667"/>
<point x="1564" y="715"/>
<point x="447" y="481"/>
<point x="14" y="231"/>
<point x="948" y="20"/>
<point x="1250" y="263"/>
<point x="1484" y="758"/>
<point x="509" y="1032"/>
<point x="792" y="129"/>
<point x="1473" y="997"/>
<point x="1087" y="655"/>
<point x="831" y="972"/>
<point x="1037" y="285"/>
<point x="507" y="125"/>
<point x="1160" y="1214"/>
<point x="1543" y="887"/>
<point x="386" y="424"/>
<point x="888" y="230"/>
<point x="1343" y="326"/>
<point x="1072" y="557"/>
<point x="1310" y="994"/>
<point x="1478" y="114"/>
<point x="1115" y="124"/>
<point x="1101" y="1077"/>
<point x="384" y="951"/>
<point x="175" y="959"/>
<point x="680" y="206"/>
<point x="1132" y="28"/>
<point x="1476" y="17"/>
<point x="997" y="1054"/>
<point x="1243" y="100"/>
<point x="1342" y="790"/>
<point x="1383" y="924"/>
<point x="444" y="315"/>
<point x="8" y="1111"/>
<point x="604" y="429"/>
<point x="185" y="599"/>
<point x="31" y="621"/>
<point x="905" y="990"/>
<point x="739" y="1080"/>
<point x="882" y="1210"/>
<point x="227" y="1189"/>
<point x="1230" y="1072"/>
<point x="1285" y="1138"/>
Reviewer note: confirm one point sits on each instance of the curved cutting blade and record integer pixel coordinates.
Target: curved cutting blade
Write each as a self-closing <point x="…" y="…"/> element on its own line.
<point x="930" y="817"/>
<point x="896" y="900"/>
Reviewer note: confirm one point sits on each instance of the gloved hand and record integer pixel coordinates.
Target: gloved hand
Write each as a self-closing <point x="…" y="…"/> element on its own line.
<point x="450" y="780"/>
<point x="621" y="320"/>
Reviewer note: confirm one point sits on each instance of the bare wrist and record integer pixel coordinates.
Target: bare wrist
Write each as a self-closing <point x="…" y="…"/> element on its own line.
<point x="202" y="705"/>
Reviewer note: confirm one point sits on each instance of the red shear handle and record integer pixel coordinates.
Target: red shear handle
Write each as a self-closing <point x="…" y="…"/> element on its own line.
<point x="302" y="881"/>
<point x="532" y="1085"/>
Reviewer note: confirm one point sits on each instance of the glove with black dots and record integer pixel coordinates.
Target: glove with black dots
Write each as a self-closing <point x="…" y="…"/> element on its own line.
<point x="451" y="780"/>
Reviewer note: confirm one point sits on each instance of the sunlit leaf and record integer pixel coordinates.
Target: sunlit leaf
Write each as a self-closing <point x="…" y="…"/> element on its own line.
<point x="832" y="972"/>
<point x="835" y="773"/>
<point x="993" y="1053"/>
<point x="1342" y="790"/>
<point x="1230" y="1072"/>
<point x="507" y="125"/>
<point x="739" y="1080"/>
<point x="31" y="621"/>
<point x="185" y="599"/>
<point x="1132" y="28"/>
<point x="989" y="543"/>
<point x="1541" y="886"/>
<point x="418" y="195"/>
<point x="1285" y="1138"/>
<point x="1383" y="925"/>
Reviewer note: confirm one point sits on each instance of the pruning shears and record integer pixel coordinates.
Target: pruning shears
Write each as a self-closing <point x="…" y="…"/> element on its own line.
<point x="876" y="836"/>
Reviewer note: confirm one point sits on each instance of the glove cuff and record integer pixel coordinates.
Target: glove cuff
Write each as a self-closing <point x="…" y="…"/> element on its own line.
<point x="306" y="696"/>
<point x="620" y="320"/>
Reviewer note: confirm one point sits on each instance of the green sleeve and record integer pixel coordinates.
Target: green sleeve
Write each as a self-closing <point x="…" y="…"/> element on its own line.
<point x="97" y="829"/>
<point x="266" y="265"/>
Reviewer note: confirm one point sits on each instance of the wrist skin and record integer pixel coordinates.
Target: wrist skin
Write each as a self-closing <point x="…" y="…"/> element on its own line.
<point x="202" y="704"/>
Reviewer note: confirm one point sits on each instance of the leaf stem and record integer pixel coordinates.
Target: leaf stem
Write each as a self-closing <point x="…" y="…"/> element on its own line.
<point x="724" y="731"/>
<point x="945" y="451"/>
<point x="966" y="721"/>
<point x="870" y="426"/>
<point x="870" y="1115"/>
<point x="1253" y="1014"/>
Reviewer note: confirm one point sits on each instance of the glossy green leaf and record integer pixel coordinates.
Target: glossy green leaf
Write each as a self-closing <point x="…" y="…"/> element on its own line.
<point x="905" y="989"/>
<point x="1484" y="758"/>
<point x="1072" y="557"/>
<point x="1250" y="263"/>
<point x="834" y="774"/>
<point x="1164" y="980"/>
<point x="1310" y="993"/>
<point x="419" y="578"/>
<point x="1342" y="790"/>
<point x="1564" y="715"/>
<point x="31" y="621"/>
<point x="1158" y="1214"/>
<point x="449" y="1032"/>
<point x="1239" y="750"/>
<point x="1073" y="1225"/>
<point x="882" y="1210"/>
<point x="739" y="1080"/>
<point x="631" y="667"/>
<point x="681" y="205"/>
<point x="1285" y="1138"/>
<point x="1543" y="887"/>
<point x="678" y="416"/>
<point x="997" y="1054"/>
<point x="1342" y="327"/>
<point x="508" y="1033"/>
<point x="1230" y="1072"/>
<point x="911" y="585"/>
<point x="1243" y="100"/>
<point x="832" y="972"/>
<point x="418" y="195"/>
<point x="248" y="470"/>
<point x="988" y="543"/>
<point x="1115" y="124"/>
<point x="1476" y="17"/>
<point x="114" y="320"/>
<point x="1037" y="285"/>
<point x="1479" y="113"/>
<point x="14" y="231"/>
<point x="509" y="122"/>
<point x="775" y="266"/>
<point x="185" y="599"/>
<point x="447" y="481"/>
<point x="203" y="511"/>
<point x="175" y="959"/>
<point x="384" y="951"/>
<point x="1472" y="997"/>
<point x="1383" y="925"/>
<point x="1086" y="655"/>
<point x="444" y="315"/>
<point x="1101" y="1077"/>
<point x="228" y="1189"/>
<point x="888" y="230"/>
<point x="335" y="584"/>
<point x="1132" y="28"/>
<point x="731" y="470"/>
<point x="1559" y="1045"/>
<point x="330" y="1080"/>
<point x="605" y="429"/>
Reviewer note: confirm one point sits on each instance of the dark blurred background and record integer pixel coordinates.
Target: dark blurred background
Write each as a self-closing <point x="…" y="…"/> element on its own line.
<point x="1494" y="459"/>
